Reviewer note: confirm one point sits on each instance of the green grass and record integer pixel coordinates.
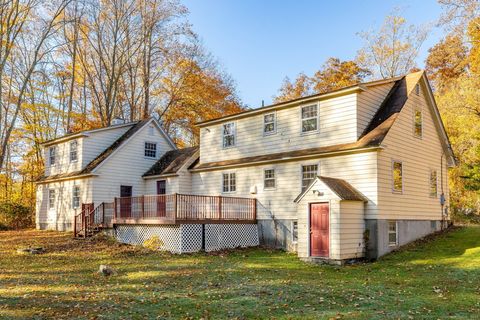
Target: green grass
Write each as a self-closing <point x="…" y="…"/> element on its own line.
<point x="436" y="279"/>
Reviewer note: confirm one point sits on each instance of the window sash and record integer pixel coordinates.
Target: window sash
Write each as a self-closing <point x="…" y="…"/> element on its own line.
<point x="309" y="173"/>
<point x="392" y="233"/>
<point x="418" y="124"/>
<point x="51" y="198"/>
<point x="294" y="231"/>
<point x="52" y="155"/>
<point x="433" y="183"/>
<point x="73" y="151"/>
<point x="397" y="176"/>
<point x="269" y="126"/>
<point x="76" y="197"/>
<point x="269" y="179"/>
<point x="310" y="118"/>
<point x="229" y="134"/>
<point x="150" y="150"/>
<point x="229" y="182"/>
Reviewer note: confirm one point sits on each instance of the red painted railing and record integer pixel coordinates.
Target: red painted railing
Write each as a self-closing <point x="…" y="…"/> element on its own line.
<point x="184" y="208"/>
<point x="91" y="217"/>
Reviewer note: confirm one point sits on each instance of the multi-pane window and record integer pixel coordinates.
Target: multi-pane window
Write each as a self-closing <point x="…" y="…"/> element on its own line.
<point x="51" y="198"/>
<point x="309" y="173"/>
<point x="417" y="124"/>
<point x="150" y="150"/>
<point x="76" y="197"/>
<point x="309" y="118"/>
<point x="269" y="126"/>
<point x="433" y="183"/>
<point x="229" y="182"/>
<point x="392" y="233"/>
<point x="229" y="134"/>
<point x="74" y="151"/>
<point x="417" y="89"/>
<point x="294" y="231"/>
<point x="269" y="179"/>
<point x="397" y="175"/>
<point x="52" y="152"/>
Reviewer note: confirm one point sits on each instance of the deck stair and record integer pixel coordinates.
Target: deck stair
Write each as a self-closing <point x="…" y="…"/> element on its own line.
<point x="91" y="220"/>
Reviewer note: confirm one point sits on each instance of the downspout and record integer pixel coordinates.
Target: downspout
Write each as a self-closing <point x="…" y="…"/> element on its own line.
<point x="442" y="195"/>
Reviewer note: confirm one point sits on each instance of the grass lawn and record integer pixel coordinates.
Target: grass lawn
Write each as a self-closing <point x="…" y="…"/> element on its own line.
<point x="437" y="279"/>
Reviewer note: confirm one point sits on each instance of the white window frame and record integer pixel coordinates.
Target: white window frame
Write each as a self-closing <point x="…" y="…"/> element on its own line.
<point x="415" y="110"/>
<point x="229" y="175"/>
<point x="51" y="150"/>
<point x="393" y="176"/>
<point x="270" y="179"/>
<point x="316" y="105"/>
<point x="392" y="244"/>
<point x="145" y="149"/>
<point x="234" y="134"/>
<point x="433" y="195"/>
<point x="301" y="174"/>
<point x="51" y="202"/>
<point x="76" y="196"/>
<point x="73" y="151"/>
<point x="274" y="122"/>
<point x="294" y="239"/>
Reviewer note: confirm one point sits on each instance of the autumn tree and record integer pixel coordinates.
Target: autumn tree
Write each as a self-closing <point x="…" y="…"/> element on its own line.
<point x="333" y="74"/>
<point x="393" y="49"/>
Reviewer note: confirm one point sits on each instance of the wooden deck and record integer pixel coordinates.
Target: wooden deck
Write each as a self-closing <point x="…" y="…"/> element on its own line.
<point x="184" y="209"/>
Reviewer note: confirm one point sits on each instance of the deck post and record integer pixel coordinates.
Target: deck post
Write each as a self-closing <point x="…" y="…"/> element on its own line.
<point x="114" y="208"/>
<point x="175" y="207"/>
<point x="220" y="207"/>
<point x="255" y="209"/>
<point x="103" y="213"/>
<point x="74" y="225"/>
<point x="143" y="206"/>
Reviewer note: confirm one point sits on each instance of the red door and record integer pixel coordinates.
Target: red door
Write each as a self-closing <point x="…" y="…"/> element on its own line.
<point x="161" y="203"/>
<point x="319" y="229"/>
<point x="125" y="201"/>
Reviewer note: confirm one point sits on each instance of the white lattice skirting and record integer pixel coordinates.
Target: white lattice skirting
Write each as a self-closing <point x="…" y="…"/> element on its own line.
<point x="186" y="238"/>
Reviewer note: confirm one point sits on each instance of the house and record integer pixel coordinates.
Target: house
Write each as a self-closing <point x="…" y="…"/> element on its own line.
<point x="353" y="172"/>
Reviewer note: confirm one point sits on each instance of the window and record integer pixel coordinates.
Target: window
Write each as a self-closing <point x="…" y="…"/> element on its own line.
<point x="51" y="198"/>
<point x="433" y="183"/>
<point x="76" y="197"/>
<point x="417" y="123"/>
<point x="269" y="179"/>
<point x="52" y="155"/>
<point x="229" y="135"/>
<point x="229" y="182"/>
<point x="73" y="151"/>
<point x="397" y="173"/>
<point x="392" y="233"/>
<point x="417" y="89"/>
<point x="150" y="150"/>
<point x="309" y="118"/>
<point x="309" y="173"/>
<point x="269" y="126"/>
<point x="294" y="231"/>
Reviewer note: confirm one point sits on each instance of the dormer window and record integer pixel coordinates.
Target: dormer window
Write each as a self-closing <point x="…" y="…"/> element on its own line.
<point x="74" y="151"/>
<point x="229" y="135"/>
<point x="150" y="150"/>
<point x="417" y="123"/>
<point x="310" y="118"/>
<point x="269" y="125"/>
<point x="52" y="151"/>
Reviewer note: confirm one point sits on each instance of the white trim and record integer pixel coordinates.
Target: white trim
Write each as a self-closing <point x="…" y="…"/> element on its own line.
<point x="396" y="233"/>
<point x="317" y="118"/>
<point x="156" y="149"/>
<point x="274" y="179"/>
<point x="222" y="132"/>
<point x="229" y="180"/>
<point x="271" y="133"/>
<point x="301" y="173"/>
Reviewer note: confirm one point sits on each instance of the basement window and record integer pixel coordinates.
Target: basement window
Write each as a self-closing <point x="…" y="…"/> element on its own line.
<point x="294" y="231"/>
<point x="392" y="233"/>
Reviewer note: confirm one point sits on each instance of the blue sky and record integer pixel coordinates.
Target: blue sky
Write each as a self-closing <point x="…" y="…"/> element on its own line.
<point x="259" y="42"/>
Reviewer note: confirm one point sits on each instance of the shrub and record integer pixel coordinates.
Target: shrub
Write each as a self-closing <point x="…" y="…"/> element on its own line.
<point x="15" y="216"/>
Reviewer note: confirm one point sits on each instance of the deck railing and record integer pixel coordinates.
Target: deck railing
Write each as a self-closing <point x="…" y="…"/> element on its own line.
<point x="184" y="208"/>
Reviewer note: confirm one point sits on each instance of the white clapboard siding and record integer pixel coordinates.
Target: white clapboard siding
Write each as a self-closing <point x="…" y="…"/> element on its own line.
<point x="368" y="102"/>
<point x="352" y="228"/>
<point x="98" y="141"/>
<point x="127" y="165"/>
<point x="418" y="156"/>
<point x="358" y="169"/>
<point x="62" y="158"/>
<point x="63" y="211"/>
<point x="337" y="124"/>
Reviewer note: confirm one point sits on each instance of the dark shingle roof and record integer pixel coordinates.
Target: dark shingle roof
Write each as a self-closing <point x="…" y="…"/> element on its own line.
<point x="101" y="157"/>
<point x="343" y="189"/>
<point x="171" y="162"/>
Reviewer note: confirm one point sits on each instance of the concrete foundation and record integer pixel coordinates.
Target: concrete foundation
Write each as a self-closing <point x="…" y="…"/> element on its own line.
<point x="55" y="226"/>
<point x="277" y="234"/>
<point x="408" y="231"/>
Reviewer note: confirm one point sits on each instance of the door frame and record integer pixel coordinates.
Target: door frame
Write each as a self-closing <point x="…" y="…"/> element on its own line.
<point x="309" y="239"/>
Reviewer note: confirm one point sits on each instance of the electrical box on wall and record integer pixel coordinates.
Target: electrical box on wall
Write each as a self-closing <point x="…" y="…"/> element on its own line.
<point x="253" y="189"/>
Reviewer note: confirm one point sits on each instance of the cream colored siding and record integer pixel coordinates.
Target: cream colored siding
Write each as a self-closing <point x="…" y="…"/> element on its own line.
<point x="62" y="158"/>
<point x="352" y="227"/>
<point x="62" y="212"/>
<point x="368" y="103"/>
<point x="98" y="141"/>
<point x="337" y="124"/>
<point x="419" y="157"/>
<point x="358" y="169"/>
<point x="127" y="165"/>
